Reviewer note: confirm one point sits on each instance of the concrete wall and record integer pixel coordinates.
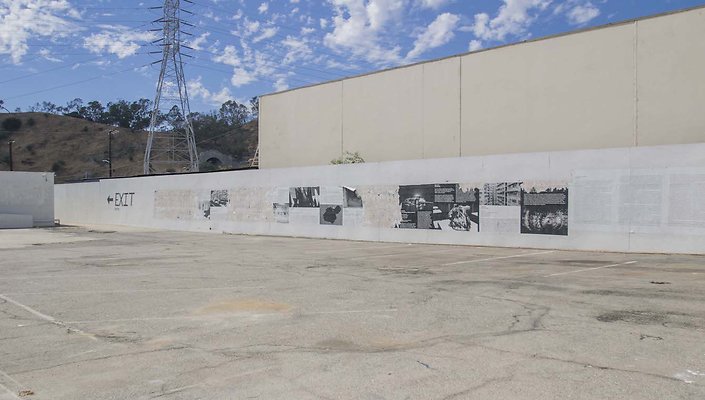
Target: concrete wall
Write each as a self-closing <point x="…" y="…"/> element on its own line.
<point x="26" y="199"/>
<point x="632" y="84"/>
<point x="643" y="199"/>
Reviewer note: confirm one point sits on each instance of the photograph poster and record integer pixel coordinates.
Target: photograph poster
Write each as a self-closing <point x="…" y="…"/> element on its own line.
<point x="304" y="197"/>
<point x="331" y="214"/>
<point x="219" y="198"/>
<point x="544" y="209"/>
<point x="351" y="198"/>
<point x="500" y="206"/>
<point x="444" y="206"/>
<point x="218" y="204"/>
<point x="281" y="213"/>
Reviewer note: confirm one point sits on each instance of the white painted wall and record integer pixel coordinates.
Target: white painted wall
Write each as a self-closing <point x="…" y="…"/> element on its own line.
<point x="25" y="194"/>
<point x="632" y="84"/>
<point x="624" y="199"/>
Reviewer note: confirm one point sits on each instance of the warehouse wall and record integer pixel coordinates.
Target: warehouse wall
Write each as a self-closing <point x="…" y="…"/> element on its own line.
<point x="644" y="199"/>
<point x="632" y="84"/>
<point x="26" y="199"/>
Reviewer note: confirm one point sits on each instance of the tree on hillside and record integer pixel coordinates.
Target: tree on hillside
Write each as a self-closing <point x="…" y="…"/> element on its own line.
<point x="72" y="108"/>
<point x="234" y="114"/>
<point x="133" y="115"/>
<point x="254" y="107"/>
<point x="93" y="111"/>
<point x="45" y="106"/>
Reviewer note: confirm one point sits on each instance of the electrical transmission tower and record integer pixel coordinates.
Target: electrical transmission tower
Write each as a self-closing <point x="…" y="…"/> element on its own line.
<point x="171" y="145"/>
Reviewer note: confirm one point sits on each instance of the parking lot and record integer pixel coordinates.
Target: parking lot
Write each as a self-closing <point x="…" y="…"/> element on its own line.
<point x="126" y="313"/>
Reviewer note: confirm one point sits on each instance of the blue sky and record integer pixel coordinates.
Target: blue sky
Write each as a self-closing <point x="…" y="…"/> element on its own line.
<point x="58" y="50"/>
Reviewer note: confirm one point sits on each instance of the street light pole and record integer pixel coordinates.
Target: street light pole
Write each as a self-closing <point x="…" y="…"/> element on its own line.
<point x="110" y="152"/>
<point x="9" y="143"/>
<point x="110" y="155"/>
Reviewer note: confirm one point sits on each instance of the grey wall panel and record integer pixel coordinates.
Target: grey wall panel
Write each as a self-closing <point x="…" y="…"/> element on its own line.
<point x="383" y="115"/>
<point x="28" y="193"/>
<point x="441" y="108"/>
<point x="301" y="127"/>
<point x="671" y="93"/>
<point x="570" y="92"/>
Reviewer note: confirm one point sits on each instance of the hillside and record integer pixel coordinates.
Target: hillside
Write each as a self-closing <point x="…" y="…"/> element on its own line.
<point x="74" y="148"/>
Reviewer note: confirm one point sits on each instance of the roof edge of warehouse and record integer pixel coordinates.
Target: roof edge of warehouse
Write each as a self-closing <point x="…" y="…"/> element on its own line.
<point x="539" y="39"/>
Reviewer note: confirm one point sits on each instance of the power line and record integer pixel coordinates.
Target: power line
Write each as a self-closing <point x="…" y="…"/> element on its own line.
<point x="48" y="70"/>
<point x="78" y="82"/>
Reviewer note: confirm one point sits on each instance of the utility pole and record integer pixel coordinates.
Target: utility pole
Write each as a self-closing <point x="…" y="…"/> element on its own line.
<point x="109" y="161"/>
<point x="9" y="144"/>
<point x="171" y="144"/>
<point x="110" y="151"/>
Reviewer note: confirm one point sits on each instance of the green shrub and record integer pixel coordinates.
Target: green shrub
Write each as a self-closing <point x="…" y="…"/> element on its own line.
<point x="348" y="158"/>
<point x="58" y="166"/>
<point x="12" y="124"/>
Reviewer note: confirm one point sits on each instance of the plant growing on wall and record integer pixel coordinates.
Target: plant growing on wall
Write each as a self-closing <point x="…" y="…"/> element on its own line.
<point x="348" y="158"/>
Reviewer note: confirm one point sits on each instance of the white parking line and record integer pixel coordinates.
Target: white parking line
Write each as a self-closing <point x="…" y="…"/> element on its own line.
<point x="498" y="258"/>
<point x="138" y="290"/>
<point x="47" y="317"/>
<point x="398" y="246"/>
<point x="8" y="390"/>
<point x="406" y="253"/>
<point x="591" y="269"/>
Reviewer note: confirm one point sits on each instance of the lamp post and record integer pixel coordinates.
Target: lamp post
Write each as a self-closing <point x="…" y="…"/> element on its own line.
<point x="110" y="152"/>
<point x="9" y="144"/>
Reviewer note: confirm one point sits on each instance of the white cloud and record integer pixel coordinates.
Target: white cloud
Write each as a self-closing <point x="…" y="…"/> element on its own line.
<point x="46" y="54"/>
<point x="360" y="27"/>
<point x="265" y="34"/>
<point x="513" y="18"/>
<point x="242" y="77"/>
<point x="438" y="33"/>
<point x="248" y="67"/>
<point x="229" y="56"/>
<point x="263" y="8"/>
<point x="281" y="84"/>
<point x="433" y="4"/>
<point x="297" y="49"/>
<point x="582" y="13"/>
<point x="22" y="20"/>
<point x="197" y="43"/>
<point x="474" y="45"/>
<point x="323" y="22"/>
<point x="197" y="90"/>
<point x="117" y="39"/>
<point x="251" y="26"/>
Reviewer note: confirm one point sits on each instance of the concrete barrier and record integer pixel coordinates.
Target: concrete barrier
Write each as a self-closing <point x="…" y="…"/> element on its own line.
<point x="649" y="199"/>
<point x="27" y="193"/>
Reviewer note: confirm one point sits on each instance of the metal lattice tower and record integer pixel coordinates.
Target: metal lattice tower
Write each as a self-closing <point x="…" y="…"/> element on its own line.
<point x="171" y="145"/>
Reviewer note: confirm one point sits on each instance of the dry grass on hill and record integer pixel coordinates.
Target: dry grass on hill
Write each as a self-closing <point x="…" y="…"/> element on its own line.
<point x="74" y="148"/>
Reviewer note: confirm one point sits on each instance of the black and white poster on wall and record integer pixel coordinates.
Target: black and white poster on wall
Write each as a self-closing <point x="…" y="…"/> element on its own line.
<point x="331" y="214"/>
<point x="281" y="213"/>
<point x="351" y="198"/>
<point x="500" y="207"/>
<point x="217" y="207"/>
<point x="306" y="196"/>
<point x="446" y="206"/>
<point x="544" y="209"/>
<point x="219" y="198"/>
<point x="352" y="207"/>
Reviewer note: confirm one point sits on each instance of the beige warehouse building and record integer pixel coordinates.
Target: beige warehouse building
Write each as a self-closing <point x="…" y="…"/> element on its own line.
<point x="636" y="83"/>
